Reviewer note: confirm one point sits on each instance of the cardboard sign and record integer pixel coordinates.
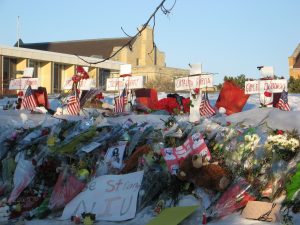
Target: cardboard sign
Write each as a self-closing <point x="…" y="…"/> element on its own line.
<point x="85" y="84"/>
<point x="264" y="211"/>
<point x="28" y="72"/>
<point x="114" y="155"/>
<point x="110" y="197"/>
<point x="173" y="216"/>
<point x="260" y="86"/>
<point x="23" y="83"/>
<point x="193" y="145"/>
<point x="119" y="83"/>
<point x="190" y="83"/>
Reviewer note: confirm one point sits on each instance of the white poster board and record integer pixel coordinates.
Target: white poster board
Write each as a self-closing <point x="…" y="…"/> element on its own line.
<point x="119" y="83"/>
<point x="28" y="72"/>
<point x="260" y="86"/>
<point x="84" y="84"/>
<point x="110" y="197"/>
<point x="192" y="82"/>
<point x="22" y="83"/>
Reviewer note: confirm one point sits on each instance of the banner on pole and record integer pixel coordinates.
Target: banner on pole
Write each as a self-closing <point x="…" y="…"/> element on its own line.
<point x="192" y="82"/>
<point x="260" y="86"/>
<point x="119" y="83"/>
<point x="22" y="83"/>
<point x="84" y="84"/>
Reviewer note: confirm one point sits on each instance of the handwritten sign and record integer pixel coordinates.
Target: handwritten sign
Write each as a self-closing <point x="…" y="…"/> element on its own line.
<point x="110" y="197"/>
<point x="22" y="83"/>
<point x="193" y="145"/>
<point x="85" y="84"/>
<point x="134" y="82"/>
<point x="192" y="82"/>
<point x="260" y="86"/>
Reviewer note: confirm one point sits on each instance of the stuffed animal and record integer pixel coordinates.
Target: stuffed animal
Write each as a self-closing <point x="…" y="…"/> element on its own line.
<point x="196" y="169"/>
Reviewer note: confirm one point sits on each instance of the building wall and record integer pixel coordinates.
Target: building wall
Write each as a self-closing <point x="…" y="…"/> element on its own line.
<point x="46" y="62"/>
<point x="294" y="63"/>
<point x="143" y="53"/>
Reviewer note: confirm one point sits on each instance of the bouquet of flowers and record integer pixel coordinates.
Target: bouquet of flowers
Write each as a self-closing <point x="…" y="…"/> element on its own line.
<point x="284" y="145"/>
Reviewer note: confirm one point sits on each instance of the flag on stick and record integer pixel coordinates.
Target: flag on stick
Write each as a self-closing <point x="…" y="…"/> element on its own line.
<point x="73" y="105"/>
<point x="205" y="108"/>
<point x="29" y="101"/>
<point x="121" y="101"/>
<point x="283" y="102"/>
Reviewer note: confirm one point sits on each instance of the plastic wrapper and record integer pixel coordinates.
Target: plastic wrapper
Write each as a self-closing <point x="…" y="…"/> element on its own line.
<point x="155" y="180"/>
<point x="23" y="175"/>
<point x="65" y="189"/>
<point x="233" y="199"/>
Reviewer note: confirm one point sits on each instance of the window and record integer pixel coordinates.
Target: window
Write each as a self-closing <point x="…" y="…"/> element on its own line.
<point x="137" y="62"/>
<point x="37" y="67"/>
<point x="58" y="72"/>
<point x="9" y="71"/>
<point x="103" y="75"/>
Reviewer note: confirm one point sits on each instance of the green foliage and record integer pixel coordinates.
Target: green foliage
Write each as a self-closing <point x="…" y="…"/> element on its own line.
<point x="239" y="80"/>
<point x="294" y="85"/>
<point x="294" y="185"/>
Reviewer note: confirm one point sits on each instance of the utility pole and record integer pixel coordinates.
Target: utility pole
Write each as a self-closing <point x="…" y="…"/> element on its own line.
<point x="18" y="32"/>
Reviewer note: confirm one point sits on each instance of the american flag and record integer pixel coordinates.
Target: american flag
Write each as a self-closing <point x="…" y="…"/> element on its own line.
<point x="283" y="102"/>
<point x="29" y="101"/>
<point x="121" y="101"/>
<point x="205" y="108"/>
<point x="73" y="105"/>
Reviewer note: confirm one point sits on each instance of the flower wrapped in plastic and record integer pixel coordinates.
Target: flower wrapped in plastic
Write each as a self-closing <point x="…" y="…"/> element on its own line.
<point x="233" y="199"/>
<point x="284" y="144"/>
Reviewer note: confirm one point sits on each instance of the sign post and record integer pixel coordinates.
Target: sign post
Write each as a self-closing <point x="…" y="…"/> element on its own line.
<point x="266" y="87"/>
<point x="196" y="80"/>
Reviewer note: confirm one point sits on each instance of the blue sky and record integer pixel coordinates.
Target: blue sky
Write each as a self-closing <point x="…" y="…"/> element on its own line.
<point x="229" y="37"/>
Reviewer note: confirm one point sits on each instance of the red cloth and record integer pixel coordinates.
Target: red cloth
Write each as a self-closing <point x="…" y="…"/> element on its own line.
<point x="171" y="104"/>
<point x="232" y="98"/>
<point x="42" y="97"/>
<point x="147" y="97"/>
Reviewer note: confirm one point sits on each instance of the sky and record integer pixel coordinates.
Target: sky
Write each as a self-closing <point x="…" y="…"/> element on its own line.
<point x="228" y="37"/>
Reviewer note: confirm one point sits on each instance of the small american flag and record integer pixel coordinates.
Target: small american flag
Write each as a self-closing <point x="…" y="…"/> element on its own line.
<point x="73" y="105"/>
<point x="29" y="101"/>
<point x="120" y="102"/>
<point x="283" y="102"/>
<point x="205" y="108"/>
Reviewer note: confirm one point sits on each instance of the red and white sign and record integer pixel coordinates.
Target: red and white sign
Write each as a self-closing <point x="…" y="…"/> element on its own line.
<point x="192" y="82"/>
<point x="110" y="197"/>
<point x="193" y="145"/>
<point x="23" y="83"/>
<point x="84" y="84"/>
<point x="260" y="86"/>
<point x="119" y="83"/>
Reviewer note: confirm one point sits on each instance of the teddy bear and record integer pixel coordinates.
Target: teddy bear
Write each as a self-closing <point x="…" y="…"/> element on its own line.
<point x="195" y="168"/>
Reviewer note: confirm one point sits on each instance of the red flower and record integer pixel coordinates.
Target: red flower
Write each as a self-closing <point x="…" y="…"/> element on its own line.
<point x="228" y="123"/>
<point x="99" y="96"/>
<point x="196" y="91"/>
<point x="280" y="132"/>
<point x="20" y="93"/>
<point x="76" y="78"/>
